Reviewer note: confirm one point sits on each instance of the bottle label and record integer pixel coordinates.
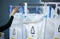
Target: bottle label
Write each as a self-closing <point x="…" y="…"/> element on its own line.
<point x="12" y="38"/>
<point x="30" y="38"/>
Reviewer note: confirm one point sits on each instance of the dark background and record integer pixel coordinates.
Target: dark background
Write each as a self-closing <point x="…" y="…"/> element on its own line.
<point x="4" y="10"/>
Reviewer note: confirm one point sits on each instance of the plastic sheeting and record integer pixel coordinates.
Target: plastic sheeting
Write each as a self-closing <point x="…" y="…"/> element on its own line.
<point x="16" y="27"/>
<point x="34" y="25"/>
<point x="25" y="27"/>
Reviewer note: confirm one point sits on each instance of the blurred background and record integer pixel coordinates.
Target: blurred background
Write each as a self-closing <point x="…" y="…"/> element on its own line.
<point x="4" y="10"/>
